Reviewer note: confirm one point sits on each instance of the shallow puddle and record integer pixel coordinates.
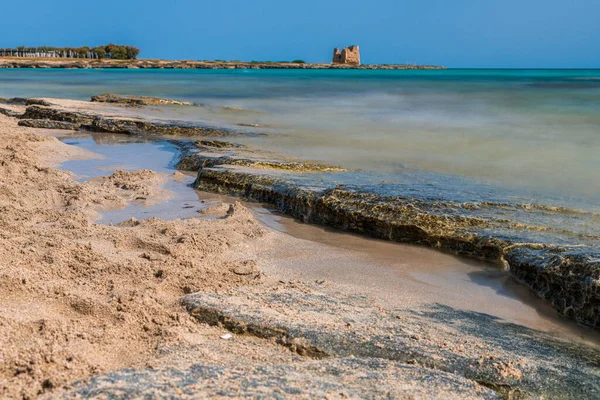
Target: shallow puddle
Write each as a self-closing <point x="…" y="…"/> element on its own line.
<point x="399" y="275"/>
<point x="120" y="152"/>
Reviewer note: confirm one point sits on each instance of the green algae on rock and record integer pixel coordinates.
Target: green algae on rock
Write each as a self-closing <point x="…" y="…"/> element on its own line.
<point x="138" y="100"/>
<point x="56" y="114"/>
<point x="49" y="124"/>
<point x="206" y="154"/>
<point x="567" y="277"/>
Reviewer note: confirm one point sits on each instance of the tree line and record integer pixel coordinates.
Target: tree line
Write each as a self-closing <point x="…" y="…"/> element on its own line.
<point x="117" y="52"/>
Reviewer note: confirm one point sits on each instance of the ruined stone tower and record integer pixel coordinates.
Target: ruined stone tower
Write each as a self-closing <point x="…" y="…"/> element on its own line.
<point x="349" y="55"/>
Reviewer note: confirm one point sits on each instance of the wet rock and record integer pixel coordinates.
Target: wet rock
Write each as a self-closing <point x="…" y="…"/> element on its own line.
<point x="138" y="100"/>
<point x="405" y="220"/>
<point x="48" y="124"/>
<point x="55" y="114"/>
<point x="10" y="113"/>
<point x="99" y="123"/>
<point x="496" y="232"/>
<point x="18" y="101"/>
<point x="212" y="153"/>
<point x="219" y="144"/>
<point x="254" y="125"/>
<point x="569" y="278"/>
<point x="145" y="127"/>
<point x="515" y="361"/>
<point x="194" y="162"/>
<point x="345" y="378"/>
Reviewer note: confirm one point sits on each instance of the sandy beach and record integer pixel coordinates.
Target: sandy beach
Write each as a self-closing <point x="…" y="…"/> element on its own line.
<point x="229" y="301"/>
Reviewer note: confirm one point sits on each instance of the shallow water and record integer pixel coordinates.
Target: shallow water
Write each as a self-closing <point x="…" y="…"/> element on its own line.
<point x="533" y="131"/>
<point x="120" y="152"/>
<point x="400" y="275"/>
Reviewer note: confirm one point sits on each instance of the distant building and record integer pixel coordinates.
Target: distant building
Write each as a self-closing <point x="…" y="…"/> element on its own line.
<point x="349" y="55"/>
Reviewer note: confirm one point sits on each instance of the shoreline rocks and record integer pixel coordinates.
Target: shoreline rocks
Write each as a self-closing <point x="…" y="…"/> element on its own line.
<point x="567" y="275"/>
<point x="100" y="123"/>
<point x="516" y="362"/>
<point x="48" y="124"/>
<point x="186" y="64"/>
<point x="353" y="378"/>
<point x="137" y="100"/>
<point x="558" y="265"/>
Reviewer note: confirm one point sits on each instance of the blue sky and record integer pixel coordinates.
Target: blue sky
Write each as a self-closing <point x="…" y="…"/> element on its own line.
<point x="456" y="33"/>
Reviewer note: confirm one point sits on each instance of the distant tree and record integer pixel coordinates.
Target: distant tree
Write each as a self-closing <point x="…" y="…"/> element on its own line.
<point x="99" y="51"/>
<point x="132" y="52"/>
<point x="299" y="62"/>
<point x="82" y="52"/>
<point x="118" y="52"/>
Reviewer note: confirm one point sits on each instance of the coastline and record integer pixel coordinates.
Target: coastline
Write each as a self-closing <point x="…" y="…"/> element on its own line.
<point x="18" y="62"/>
<point x="457" y="353"/>
<point x="558" y="265"/>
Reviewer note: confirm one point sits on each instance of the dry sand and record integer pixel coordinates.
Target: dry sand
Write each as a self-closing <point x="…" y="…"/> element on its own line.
<point x="80" y="299"/>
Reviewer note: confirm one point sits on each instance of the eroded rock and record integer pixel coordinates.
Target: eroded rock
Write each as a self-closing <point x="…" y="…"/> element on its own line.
<point x="137" y="100"/>
<point x="55" y="114"/>
<point x="49" y="124"/>
<point x="211" y="153"/>
<point x="345" y="378"/>
<point x="515" y="361"/>
<point x="19" y="101"/>
<point x="100" y="123"/>
<point x="141" y="127"/>
<point x="568" y="279"/>
<point x="10" y="112"/>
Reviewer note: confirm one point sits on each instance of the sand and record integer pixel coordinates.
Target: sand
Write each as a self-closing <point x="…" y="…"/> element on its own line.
<point x="79" y="298"/>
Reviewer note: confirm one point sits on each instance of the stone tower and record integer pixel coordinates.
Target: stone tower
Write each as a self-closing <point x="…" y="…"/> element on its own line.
<point x="349" y="55"/>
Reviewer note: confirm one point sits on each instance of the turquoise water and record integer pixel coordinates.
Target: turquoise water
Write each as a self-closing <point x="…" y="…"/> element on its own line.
<point x="533" y="131"/>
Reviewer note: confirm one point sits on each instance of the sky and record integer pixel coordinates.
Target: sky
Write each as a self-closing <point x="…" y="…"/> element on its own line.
<point x="454" y="33"/>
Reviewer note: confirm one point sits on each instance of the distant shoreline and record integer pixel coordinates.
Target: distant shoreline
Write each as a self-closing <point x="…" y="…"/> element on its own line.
<point x="20" y="62"/>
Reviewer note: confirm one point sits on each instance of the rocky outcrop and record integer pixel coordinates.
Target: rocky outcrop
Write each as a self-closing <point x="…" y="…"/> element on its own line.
<point x="144" y="127"/>
<point x="194" y="162"/>
<point x="164" y="64"/>
<point x="210" y="153"/>
<point x="137" y="100"/>
<point x="567" y="275"/>
<point x="10" y="112"/>
<point x="406" y="220"/>
<point x="348" y="56"/>
<point x="55" y="114"/>
<point x="49" y="124"/>
<point x="19" y="101"/>
<point x="101" y="123"/>
<point x="353" y="378"/>
<point x="515" y="361"/>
